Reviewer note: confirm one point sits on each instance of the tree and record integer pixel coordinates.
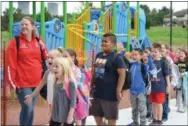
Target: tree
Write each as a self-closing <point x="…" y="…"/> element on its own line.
<point x="145" y="8"/>
<point x="164" y="10"/>
<point x="147" y="11"/>
<point x="17" y="15"/>
<point x="48" y="16"/>
<point x="153" y="11"/>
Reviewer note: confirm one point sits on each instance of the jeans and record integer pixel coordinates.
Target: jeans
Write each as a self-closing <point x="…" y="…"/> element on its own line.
<point x="165" y="108"/>
<point x="27" y="110"/>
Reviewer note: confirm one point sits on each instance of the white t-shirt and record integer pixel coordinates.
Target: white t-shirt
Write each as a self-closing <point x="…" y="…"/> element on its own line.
<point x="50" y="87"/>
<point x="169" y="60"/>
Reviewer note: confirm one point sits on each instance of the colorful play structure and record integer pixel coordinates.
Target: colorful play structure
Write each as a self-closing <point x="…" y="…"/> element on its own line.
<point x="85" y="32"/>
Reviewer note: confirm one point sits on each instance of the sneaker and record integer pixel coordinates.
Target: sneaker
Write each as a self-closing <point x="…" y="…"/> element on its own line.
<point x="164" y="120"/>
<point x="150" y="119"/>
<point x="143" y="123"/>
<point x="148" y="115"/>
<point x="160" y="122"/>
<point x="154" y="122"/>
<point x="133" y="124"/>
<point x="181" y="111"/>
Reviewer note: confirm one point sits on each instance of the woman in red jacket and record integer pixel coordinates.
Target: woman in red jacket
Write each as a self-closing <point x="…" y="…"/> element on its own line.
<point x="24" y="66"/>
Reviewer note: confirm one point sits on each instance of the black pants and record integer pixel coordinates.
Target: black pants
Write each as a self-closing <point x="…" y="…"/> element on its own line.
<point x="84" y="121"/>
<point x="52" y="123"/>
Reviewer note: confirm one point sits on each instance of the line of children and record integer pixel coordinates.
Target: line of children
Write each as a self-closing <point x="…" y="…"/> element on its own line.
<point x="66" y="75"/>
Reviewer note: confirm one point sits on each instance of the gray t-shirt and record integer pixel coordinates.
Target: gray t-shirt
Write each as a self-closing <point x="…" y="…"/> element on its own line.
<point x="62" y="103"/>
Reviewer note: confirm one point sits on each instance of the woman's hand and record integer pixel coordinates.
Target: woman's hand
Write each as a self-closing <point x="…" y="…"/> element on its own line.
<point x="28" y="99"/>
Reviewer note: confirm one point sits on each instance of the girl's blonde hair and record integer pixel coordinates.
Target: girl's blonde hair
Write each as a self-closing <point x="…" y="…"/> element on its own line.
<point x="65" y="54"/>
<point x="56" y="53"/>
<point x="67" y="70"/>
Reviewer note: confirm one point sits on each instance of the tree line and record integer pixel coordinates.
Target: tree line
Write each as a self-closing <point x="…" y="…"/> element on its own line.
<point x="155" y="17"/>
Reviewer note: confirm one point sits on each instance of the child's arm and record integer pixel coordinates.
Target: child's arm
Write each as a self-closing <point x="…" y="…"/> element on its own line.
<point x="42" y="83"/>
<point x="168" y="84"/>
<point x="166" y="72"/>
<point x="72" y="90"/>
<point x="150" y="63"/>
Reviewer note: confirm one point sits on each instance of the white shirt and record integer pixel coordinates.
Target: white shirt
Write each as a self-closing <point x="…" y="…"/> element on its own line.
<point x="50" y="87"/>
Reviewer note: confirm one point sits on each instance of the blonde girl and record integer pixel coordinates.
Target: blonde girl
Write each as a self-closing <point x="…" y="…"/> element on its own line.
<point x="64" y="100"/>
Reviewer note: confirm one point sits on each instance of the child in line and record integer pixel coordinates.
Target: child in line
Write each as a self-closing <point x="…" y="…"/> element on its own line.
<point x="182" y="87"/>
<point x="64" y="101"/>
<point x="77" y="75"/>
<point x="160" y="84"/>
<point x="165" y="54"/>
<point x="49" y="79"/>
<point x="148" y="103"/>
<point x="137" y="88"/>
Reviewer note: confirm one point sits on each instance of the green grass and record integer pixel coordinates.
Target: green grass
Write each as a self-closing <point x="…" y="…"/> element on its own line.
<point x="162" y="35"/>
<point x="156" y="34"/>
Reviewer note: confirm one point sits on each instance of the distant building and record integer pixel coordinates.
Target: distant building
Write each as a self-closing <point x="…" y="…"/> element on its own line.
<point x="179" y="17"/>
<point x="53" y="8"/>
<point x="24" y="6"/>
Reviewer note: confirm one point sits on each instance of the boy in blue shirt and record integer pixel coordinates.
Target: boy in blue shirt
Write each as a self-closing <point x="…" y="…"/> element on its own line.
<point x="138" y="71"/>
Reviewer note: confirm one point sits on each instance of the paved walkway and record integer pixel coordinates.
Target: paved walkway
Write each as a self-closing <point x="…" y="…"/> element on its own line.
<point x="175" y="118"/>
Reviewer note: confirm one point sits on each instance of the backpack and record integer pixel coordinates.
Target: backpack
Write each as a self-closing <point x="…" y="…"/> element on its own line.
<point x="84" y="84"/>
<point x="81" y="110"/>
<point x="43" y="91"/>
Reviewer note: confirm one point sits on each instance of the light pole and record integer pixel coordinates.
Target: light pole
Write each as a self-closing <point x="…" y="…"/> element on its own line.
<point x="171" y="25"/>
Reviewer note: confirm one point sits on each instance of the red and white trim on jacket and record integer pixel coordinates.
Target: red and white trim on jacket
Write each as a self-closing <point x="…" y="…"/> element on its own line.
<point x="10" y="79"/>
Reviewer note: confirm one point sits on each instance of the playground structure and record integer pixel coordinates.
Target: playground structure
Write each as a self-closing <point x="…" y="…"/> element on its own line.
<point x="85" y="33"/>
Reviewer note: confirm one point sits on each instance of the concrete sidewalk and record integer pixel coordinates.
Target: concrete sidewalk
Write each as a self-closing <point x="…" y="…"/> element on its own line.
<point x="175" y="118"/>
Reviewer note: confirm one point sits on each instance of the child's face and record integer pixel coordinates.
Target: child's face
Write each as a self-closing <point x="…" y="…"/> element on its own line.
<point x="136" y="56"/>
<point x="163" y="51"/>
<point x="50" y="59"/>
<point x="156" y="53"/>
<point x="182" y="55"/>
<point x="147" y="51"/>
<point x="177" y="53"/>
<point x="107" y="44"/>
<point x="145" y="58"/>
<point x="57" y="69"/>
<point x="73" y="58"/>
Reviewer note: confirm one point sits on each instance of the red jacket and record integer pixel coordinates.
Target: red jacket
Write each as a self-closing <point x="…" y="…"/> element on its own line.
<point x="24" y="67"/>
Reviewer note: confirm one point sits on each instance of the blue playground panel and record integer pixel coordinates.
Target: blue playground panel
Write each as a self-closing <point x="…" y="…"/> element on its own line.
<point x="54" y="34"/>
<point x="96" y="38"/>
<point x="143" y="38"/>
<point x="121" y="22"/>
<point x="95" y="14"/>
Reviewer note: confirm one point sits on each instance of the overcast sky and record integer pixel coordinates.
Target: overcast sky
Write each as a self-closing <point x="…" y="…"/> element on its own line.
<point x="73" y="6"/>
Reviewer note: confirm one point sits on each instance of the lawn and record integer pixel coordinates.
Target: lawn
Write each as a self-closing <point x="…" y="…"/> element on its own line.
<point x="162" y="35"/>
<point x="156" y="34"/>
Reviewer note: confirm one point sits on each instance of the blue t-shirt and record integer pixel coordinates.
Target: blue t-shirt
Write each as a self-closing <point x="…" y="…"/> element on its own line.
<point x="158" y="74"/>
<point x="106" y="75"/>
